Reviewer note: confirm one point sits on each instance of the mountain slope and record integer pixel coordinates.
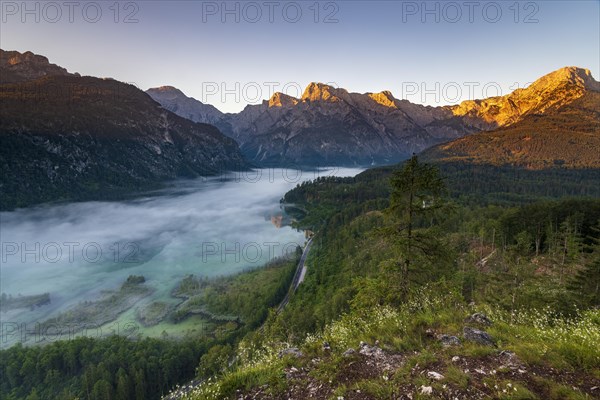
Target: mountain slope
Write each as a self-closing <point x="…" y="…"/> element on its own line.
<point x="328" y="125"/>
<point x="547" y="94"/>
<point x="566" y="137"/>
<point x="175" y="101"/>
<point x="65" y="137"/>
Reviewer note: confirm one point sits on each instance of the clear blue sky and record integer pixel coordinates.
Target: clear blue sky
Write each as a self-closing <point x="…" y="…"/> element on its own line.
<point x="400" y="46"/>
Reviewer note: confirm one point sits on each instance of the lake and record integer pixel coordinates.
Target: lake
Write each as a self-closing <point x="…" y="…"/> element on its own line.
<point x="77" y="251"/>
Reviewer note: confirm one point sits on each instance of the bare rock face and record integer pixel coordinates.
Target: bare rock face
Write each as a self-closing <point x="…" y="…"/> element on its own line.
<point x="548" y="93"/>
<point x="330" y="126"/>
<point x="322" y="92"/>
<point x="566" y="137"/>
<point x="384" y="98"/>
<point x="21" y="67"/>
<point x="282" y="100"/>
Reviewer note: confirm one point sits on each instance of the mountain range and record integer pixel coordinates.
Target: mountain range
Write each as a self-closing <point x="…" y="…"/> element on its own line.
<point x="331" y="126"/>
<point x="68" y="137"/>
<point x="326" y="126"/>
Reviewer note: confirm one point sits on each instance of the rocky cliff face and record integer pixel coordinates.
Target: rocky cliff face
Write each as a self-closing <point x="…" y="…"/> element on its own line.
<point x="546" y="94"/>
<point x="65" y="137"/>
<point x="328" y="125"/>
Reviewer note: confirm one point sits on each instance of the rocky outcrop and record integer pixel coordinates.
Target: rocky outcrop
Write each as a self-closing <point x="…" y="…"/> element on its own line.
<point x="21" y="67"/>
<point x="330" y="126"/>
<point x="478" y="336"/>
<point x="292" y="352"/>
<point x="449" y="340"/>
<point x="479" y="318"/>
<point x="282" y="100"/>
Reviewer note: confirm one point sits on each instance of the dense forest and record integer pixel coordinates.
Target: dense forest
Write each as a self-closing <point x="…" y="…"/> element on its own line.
<point x="482" y="216"/>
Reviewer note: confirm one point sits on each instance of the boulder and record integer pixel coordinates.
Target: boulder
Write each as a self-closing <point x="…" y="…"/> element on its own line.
<point x="435" y="375"/>
<point x="448" y="340"/>
<point x="477" y="336"/>
<point x="427" y="390"/>
<point x="292" y="351"/>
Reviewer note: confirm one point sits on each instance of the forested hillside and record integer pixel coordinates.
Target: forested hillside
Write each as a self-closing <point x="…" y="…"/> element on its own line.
<point x="411" y="291"/>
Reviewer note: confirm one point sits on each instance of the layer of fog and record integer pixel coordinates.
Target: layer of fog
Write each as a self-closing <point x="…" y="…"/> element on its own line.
<point x="207" y="227"/>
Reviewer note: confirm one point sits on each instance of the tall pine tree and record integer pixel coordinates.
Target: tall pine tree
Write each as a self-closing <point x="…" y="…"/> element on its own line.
<point x="417" y="191"/>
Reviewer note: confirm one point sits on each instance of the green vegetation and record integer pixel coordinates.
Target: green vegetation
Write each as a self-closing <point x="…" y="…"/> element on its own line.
<point x="92" y="314"/>
<point x="530" y="262"/>
<point x="8" y="302"/>
<point x="119" y="367"/>
<point x="535" y="341"/>
<point x="153" y="313"/>
<point x="531" y="266"/>
<point x="111" y="368"/>
<point x="416" y="195"/>
<point x="134" y="280"/>
<point x="247" y="296"/>
<point x="69" y="138"/>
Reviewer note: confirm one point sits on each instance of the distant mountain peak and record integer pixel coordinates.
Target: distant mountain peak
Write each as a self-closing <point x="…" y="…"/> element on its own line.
<point x="546" y="94"/>
<point x="282" y="100"/>
<point x="166" y="88"/>
<point x="332" y="125"/>
<point x="580" y="77"/>
<point x="167" y="92"/>
<point x="384" y="98"/>
<point x="178" y="102"/>
<point x="316" y="91"/>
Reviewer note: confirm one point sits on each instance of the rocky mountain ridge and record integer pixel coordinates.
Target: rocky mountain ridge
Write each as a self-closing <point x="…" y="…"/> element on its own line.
<point x="21" y="67"/>
<point x="568" y="137"/>
<point x="175" y="101"/>
<point x="328" y="125"/>
<point x="546" y="94"/>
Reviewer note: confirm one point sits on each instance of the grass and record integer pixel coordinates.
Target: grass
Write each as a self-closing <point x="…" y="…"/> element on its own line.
<point x="455" y="376"/>
<point x="542" y="338"/>
<point x="539" y="338"/>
